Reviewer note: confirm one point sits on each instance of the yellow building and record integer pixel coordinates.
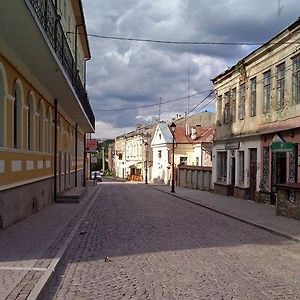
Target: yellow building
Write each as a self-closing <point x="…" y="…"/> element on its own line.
<point x="257" y="138"/>
<point x="44" y="108"/>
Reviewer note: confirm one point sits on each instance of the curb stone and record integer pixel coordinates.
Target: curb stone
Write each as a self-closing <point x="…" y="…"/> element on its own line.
<point x="39" y="288"/>
<point x="268" y="229"/>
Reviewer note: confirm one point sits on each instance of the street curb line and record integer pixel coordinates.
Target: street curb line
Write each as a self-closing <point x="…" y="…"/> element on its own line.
<point x="38" y="289"/>
<point x="292" y="238"/>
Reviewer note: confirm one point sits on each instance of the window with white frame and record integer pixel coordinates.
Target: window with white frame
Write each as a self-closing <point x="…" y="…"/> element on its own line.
<point x="280" y="85"/>
<point x="242" y="101"/>
<point x="296" y="79"/>
<point x="253" y="97"/>
<point x="241" y="168"/>
<point x="222" y="166"/>
<point x="267" y="91"/>
<point x="233" y="104"/>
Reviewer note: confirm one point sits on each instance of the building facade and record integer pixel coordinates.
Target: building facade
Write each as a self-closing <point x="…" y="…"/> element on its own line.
<point x="258" y="120"/>
<point x="192" y="147"/>
<point x="133" y="156"/>
<point x="44" y="108"/>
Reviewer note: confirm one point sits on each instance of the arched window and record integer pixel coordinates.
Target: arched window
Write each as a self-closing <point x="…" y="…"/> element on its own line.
<point x="41" y="126"/>
<point x="18" y="116"/>
<point x="30" y="120"/>
<point x="3" y="93"/>
<point x="50" y="131"/>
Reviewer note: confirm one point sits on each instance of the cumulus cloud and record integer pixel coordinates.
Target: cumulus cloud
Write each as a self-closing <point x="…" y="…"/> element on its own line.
<point x="124" y="74"/>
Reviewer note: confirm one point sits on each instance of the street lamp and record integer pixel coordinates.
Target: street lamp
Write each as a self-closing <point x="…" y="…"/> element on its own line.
<point x="173" y="127"/>
<point x="146" y="165"/>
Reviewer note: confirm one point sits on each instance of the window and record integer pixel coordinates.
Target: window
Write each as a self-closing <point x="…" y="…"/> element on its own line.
<point x="253" y="97"/>
<point x="267" y="92"/>
<point x="15" y="119"/>
<point x="183" y="160"/>
<point x="159" y="153"/>
<point x="29" y="127"/>
<point x="280" y="85"/>
<point x="222" y="166"/>
<point x="233" y="104"/>
<point x="41" y="126"/>
<point x="18" y="115"/>
<point x="296" y="80"/>
<point x="219" y="108"/>
<point x="226" y="108"/>
<point x="242" y="101"/>
<point x="241" y="168"/>
<point x="197" y="161"/>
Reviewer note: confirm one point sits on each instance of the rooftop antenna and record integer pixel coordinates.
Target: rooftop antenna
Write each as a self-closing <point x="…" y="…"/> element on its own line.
<point x="188" y="108"/>
<point x="159" y="110"/>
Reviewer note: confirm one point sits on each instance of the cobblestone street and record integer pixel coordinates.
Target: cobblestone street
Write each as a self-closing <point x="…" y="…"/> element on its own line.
<point x="140" y="243"/>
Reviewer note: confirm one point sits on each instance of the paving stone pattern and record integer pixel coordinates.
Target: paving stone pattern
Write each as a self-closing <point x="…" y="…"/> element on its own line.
<point x="27" y="248"/>
<point x="160" y="247"/>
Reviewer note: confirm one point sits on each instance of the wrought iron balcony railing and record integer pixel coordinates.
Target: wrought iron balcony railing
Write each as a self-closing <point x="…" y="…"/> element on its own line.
<point x="50" y="21"/>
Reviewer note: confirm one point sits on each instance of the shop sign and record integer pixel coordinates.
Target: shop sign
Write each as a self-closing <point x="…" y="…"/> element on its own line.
<point x="283" y="147"/>
<point x="232" y="146"/>
<point x="91" y="145"/>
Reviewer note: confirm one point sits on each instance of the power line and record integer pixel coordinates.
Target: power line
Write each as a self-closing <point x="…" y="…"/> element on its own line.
<point x="183" y="42"/>
<point x="201" y="101"/>
<point x="151" y="105"/>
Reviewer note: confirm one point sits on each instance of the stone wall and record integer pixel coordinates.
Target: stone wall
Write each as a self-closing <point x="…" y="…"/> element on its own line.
<point x="21" y="202"/>
<point x="288" y="201"/>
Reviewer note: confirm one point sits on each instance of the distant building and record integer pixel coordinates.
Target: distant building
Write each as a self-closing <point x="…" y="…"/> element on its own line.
<point x="192" y="147"/>
<point x="258" y="120"/>
<point x="205" y="119"/>
<point x="44" y="108"/>
<point x="133" y="156"/>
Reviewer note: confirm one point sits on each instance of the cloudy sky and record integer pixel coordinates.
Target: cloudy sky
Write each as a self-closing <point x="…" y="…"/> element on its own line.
<point x="130" y="74"/>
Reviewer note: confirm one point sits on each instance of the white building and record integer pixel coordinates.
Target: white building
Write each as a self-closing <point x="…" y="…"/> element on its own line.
<point x="192" y="147"/>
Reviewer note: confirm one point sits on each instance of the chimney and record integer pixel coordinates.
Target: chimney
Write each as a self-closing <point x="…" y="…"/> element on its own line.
<point x="193" y="133"/>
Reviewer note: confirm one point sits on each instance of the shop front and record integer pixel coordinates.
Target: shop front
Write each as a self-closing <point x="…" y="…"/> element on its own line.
<point x="280" y="157"/>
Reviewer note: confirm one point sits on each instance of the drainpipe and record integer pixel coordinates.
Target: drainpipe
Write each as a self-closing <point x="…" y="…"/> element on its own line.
<point x="76" y="153"/>
<point x="55" y="149"/>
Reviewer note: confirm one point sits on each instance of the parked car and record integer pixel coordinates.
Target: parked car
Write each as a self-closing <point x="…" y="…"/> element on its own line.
<point x="96" y="175"/>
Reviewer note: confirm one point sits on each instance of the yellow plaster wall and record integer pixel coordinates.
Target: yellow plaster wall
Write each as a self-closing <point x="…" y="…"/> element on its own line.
<point x="10" y="177"/>
<point x="8" y="154"/>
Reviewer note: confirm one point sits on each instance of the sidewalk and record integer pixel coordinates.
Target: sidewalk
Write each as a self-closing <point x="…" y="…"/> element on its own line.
<point x="258" y="214"/>
<point x="30" y="250"/>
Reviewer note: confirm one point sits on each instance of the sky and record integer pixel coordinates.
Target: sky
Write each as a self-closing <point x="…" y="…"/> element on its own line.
<point x="130" y="74"/>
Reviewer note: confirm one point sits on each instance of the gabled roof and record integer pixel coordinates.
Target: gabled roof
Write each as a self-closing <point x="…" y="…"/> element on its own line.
<point x="203" y="134"/>
<point x="163" y="129"/>
<point x="206" y="136"/>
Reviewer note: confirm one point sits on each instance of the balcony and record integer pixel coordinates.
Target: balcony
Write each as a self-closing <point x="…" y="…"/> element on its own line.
<point x="50" y="21"/>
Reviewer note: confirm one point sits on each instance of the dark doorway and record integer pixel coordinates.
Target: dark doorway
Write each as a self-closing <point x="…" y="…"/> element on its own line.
<point x="253" y="173"/>
<point x="232" y="178"/>
<point x="281" y="167"/>
<point x="279" y="161"/>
